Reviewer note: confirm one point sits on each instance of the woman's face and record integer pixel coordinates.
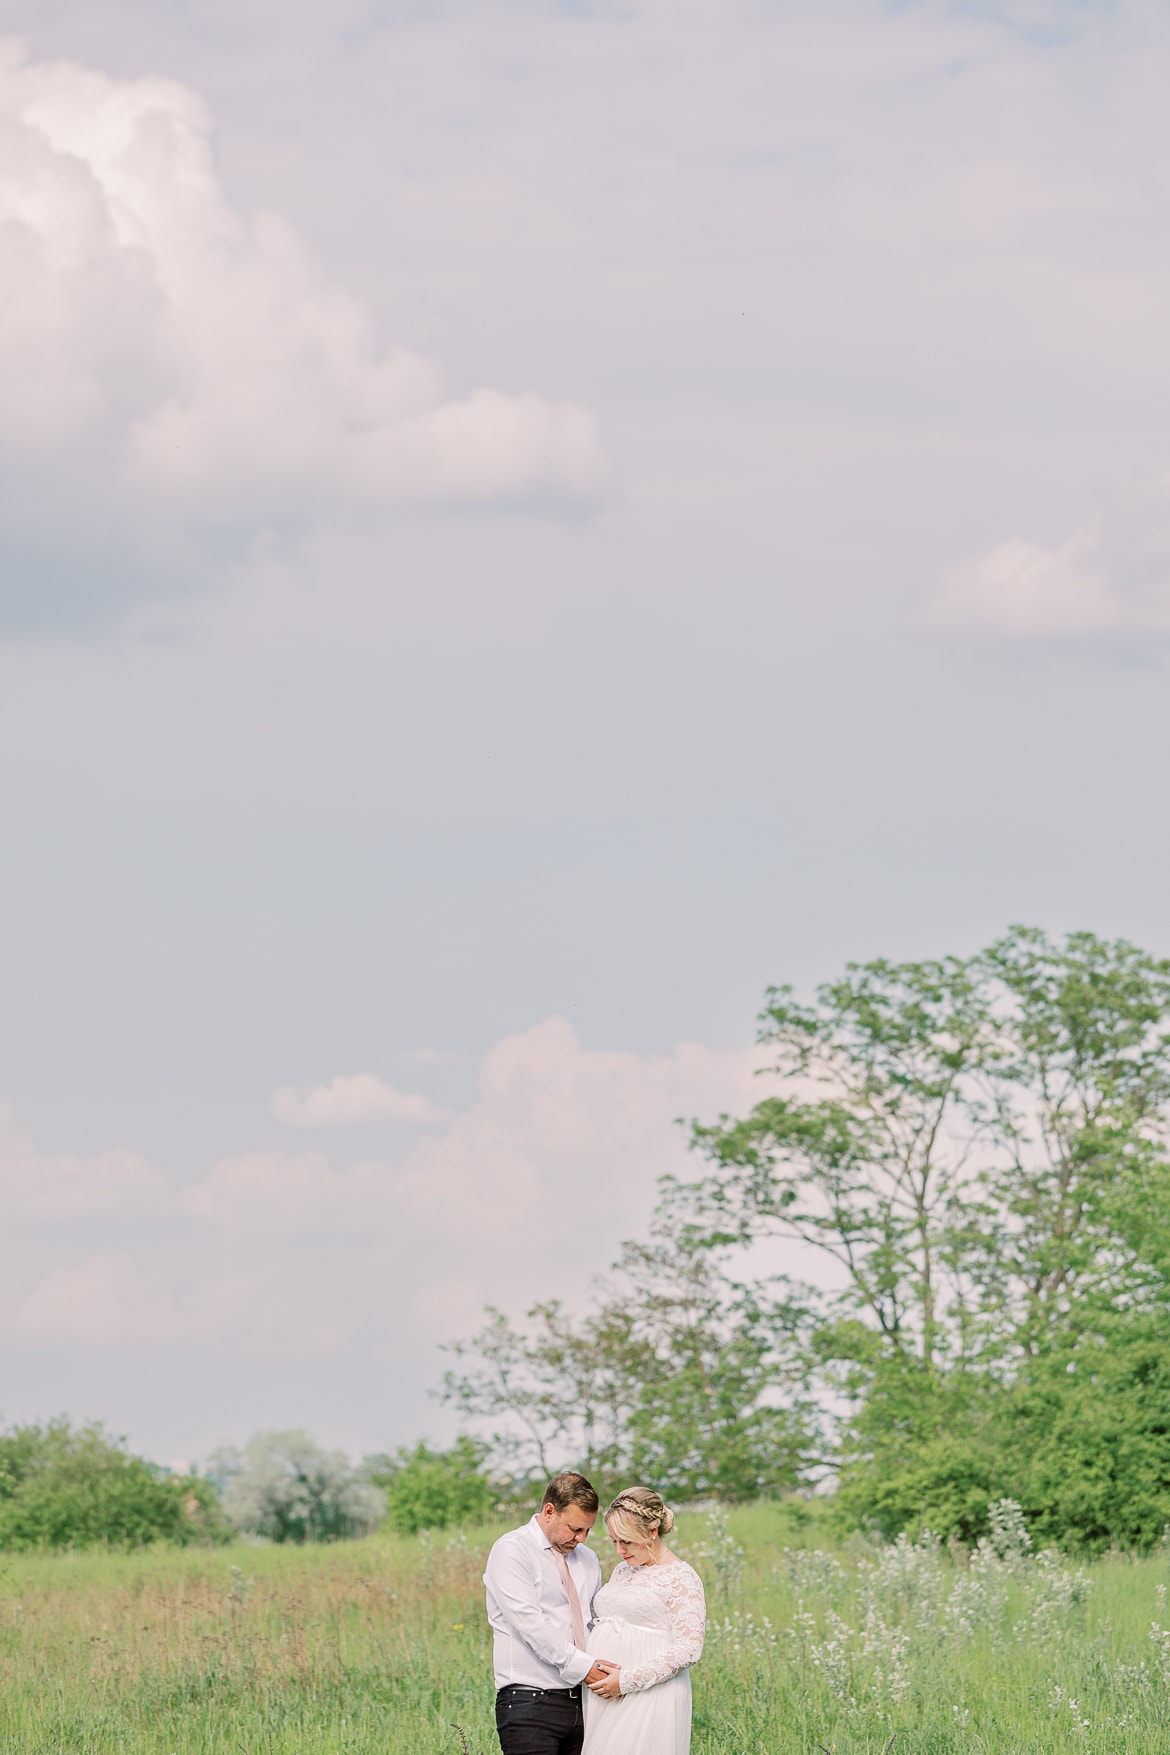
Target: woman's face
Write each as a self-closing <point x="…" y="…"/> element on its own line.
<point x="638" y="1553"/>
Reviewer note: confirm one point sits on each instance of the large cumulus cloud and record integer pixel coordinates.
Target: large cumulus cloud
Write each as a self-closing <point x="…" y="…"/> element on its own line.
<point x="173" y="369"/>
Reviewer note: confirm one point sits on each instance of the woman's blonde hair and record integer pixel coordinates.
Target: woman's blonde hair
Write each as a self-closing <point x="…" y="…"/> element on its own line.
<point x="638" y="1514"/>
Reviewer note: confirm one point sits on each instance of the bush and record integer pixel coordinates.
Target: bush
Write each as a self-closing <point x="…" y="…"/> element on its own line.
<point x="1097" y="1441"/>
<point x="62" y="1486"/>
<point x="1082" y="1441"/>
<point x="430" y="1489"/>
<point x="945" y="1487"/>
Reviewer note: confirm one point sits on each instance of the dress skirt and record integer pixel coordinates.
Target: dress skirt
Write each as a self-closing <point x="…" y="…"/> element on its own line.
<point x="653" y="1721"/>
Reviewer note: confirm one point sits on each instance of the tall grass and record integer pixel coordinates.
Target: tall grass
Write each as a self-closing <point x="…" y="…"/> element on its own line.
<point x="382" y="1646"/>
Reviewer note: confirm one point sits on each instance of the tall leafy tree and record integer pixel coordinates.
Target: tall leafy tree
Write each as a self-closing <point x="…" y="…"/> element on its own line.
<point x="865" y="1151"/>
<point x="556" y="1387"/>
<point x="721" y="1407"/>
<point x="1080" y="1189"/>
<point x="981" y="1147"/>
<point x="676" y="1374"/>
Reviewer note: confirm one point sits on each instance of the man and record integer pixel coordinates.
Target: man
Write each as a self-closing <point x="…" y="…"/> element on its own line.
<point x="541" y="1580"/>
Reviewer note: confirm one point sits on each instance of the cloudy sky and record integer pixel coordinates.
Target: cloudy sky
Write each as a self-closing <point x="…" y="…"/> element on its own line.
<point x="521" y="524"/>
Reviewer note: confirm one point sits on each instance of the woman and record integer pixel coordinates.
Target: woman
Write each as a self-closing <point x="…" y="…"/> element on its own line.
<point x="651" y="1618"/>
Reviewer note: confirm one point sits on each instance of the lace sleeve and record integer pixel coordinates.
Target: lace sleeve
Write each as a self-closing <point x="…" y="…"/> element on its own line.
<point x="682" y="1592"/>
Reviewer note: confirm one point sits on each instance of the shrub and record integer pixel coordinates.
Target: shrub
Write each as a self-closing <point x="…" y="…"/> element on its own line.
<point x="62" y="1486"/>
<point x="430" y="1489"/>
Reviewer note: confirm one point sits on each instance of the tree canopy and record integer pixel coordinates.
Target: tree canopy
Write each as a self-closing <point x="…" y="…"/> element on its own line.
<point x="676" y="1374"/>
<point x="977" y="1148"/>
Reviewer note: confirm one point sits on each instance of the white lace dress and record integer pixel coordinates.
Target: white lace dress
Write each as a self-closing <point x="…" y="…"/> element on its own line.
<point x="650" y="1620"/>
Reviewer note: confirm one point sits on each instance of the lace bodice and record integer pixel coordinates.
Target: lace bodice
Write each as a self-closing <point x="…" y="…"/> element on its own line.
<point x="666" y="1598"/>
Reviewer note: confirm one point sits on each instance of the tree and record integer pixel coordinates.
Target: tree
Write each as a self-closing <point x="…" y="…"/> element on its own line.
<point x="676" y="1375"/>
<point x="560" y="1387"/>
<point x="981" y="1147"/>
<point x="431" y="1489"/>
<point x="865" y="1153"/>
<point x="65" y="1486"/>
<point x="285" y="1488"/>
<point x="1081" y="1188"/>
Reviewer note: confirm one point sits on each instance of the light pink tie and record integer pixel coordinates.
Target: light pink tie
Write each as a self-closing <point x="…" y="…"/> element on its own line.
<point x="574" y="1600"/>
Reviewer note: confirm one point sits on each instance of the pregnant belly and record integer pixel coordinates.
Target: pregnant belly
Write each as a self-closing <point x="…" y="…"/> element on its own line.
<point x="650" y="1721"/>
<point x="625" y="1642"/>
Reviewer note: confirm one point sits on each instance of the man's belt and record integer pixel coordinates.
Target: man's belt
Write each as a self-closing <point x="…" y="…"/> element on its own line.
<point x="522" y="1688"/>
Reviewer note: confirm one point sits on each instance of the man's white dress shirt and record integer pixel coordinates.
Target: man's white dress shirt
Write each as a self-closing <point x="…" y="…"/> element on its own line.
<point x="530" y="1614"/>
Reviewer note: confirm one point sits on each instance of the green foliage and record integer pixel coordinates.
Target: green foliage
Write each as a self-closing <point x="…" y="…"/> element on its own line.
<point x="979" y="1147"/>
<point x="867" y="1173"/>
<point x="431" y="1489"/>
<point x="1079" y="1191"/>
<point x="62" y="1486"/>
<point x="676" y="1375"/>
<point x="717" y="1409"/>
<point x="1096" y="1442"/>
<point x="926" y="1455"/>
<point x="1086" y="1452"/>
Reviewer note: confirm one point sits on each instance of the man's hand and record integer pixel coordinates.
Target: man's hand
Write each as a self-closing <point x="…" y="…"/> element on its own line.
<point x="598" y="1673"/>
<point x="610" y="1685"/>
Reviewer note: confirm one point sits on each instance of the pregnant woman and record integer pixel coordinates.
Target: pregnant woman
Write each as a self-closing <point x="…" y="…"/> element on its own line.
<point x="651" y="1618"/>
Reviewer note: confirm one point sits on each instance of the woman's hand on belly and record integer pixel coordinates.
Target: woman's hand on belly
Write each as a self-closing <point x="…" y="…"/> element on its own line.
<point x="609" y="1688"/>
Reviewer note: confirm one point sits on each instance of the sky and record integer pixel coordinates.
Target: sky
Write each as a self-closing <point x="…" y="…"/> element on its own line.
<point x="521" y="525"/>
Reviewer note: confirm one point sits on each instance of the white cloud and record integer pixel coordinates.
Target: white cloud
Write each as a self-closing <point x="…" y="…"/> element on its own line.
<point x="202" y="361"/>
<point x="266" y="1194"/>
<point x="564" y="1136"/>
<point x="46" y="1188"/>
<point x="346" y="1102"/>
<point x="1112" y="579"/>
<point x="1024" y="588"/>
<point x="111" y="1298"/>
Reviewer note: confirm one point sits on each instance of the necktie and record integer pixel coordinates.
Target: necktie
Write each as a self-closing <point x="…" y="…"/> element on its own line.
<point x="574" y="1600"/>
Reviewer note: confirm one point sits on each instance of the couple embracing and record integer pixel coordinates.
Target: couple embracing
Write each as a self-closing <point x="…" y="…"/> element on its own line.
<point x="630" y="1642"/>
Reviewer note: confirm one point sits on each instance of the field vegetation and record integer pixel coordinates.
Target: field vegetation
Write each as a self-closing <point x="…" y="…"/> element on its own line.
<point x="381" y="1645"/>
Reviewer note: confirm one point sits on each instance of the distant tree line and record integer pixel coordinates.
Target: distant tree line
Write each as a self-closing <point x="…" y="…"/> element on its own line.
<point x="977" y="1148"/>
<point x="65" y="1486"/>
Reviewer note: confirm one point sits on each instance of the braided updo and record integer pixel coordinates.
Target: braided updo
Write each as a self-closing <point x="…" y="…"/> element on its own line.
<point x="638" y="1514"/>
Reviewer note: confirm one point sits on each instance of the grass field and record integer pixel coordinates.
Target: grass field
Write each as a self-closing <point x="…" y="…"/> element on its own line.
<point x="381" y="1645"/>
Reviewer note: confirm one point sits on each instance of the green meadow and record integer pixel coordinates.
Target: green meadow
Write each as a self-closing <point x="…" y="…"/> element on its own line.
<point x="381" y="1645"/>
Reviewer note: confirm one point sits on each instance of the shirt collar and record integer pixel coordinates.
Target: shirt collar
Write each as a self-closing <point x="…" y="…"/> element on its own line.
<point x="537" y="1529"/>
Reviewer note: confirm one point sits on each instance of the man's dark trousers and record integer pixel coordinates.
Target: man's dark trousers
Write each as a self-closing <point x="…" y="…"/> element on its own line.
<point x="540" y="1721"/>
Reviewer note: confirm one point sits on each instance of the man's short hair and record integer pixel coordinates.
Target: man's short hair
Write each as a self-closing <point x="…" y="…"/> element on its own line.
<point x="568" y="1489"/>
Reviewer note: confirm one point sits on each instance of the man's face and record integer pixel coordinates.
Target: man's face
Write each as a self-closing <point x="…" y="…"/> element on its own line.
<point x="566" y="1529"/>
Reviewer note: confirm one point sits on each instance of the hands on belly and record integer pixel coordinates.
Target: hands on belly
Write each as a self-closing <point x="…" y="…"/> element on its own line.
<point x="604" y="1680"/>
